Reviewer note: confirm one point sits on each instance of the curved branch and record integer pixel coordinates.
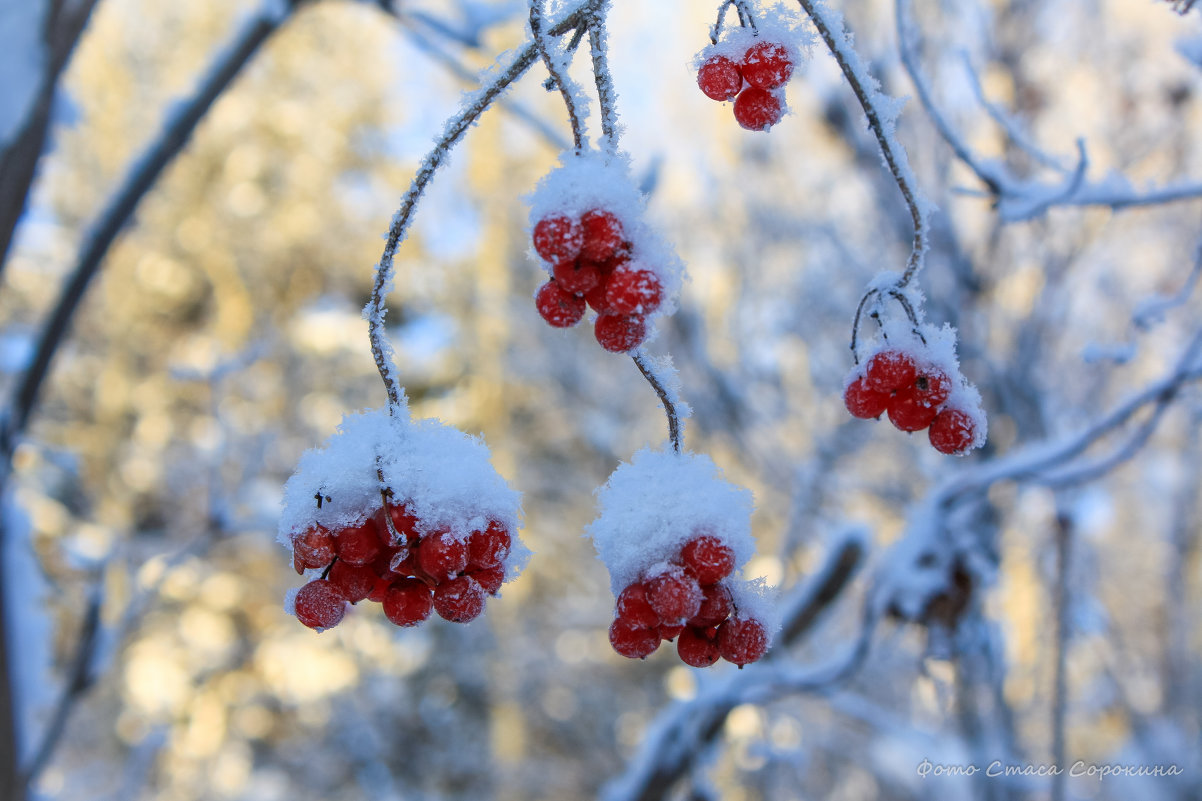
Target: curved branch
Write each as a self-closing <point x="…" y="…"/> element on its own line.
<point x="565" y="84"/>
<point x="665" y="398"/>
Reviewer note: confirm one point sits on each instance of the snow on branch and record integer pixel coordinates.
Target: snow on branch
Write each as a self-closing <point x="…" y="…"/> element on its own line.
<point x="882" y="112"/>
<point x="1018" y="199"/>
<point x="474" y="105"/>
<point x="141" y="177"/>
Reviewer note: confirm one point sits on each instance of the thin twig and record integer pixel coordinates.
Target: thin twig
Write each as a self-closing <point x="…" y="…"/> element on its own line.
<point x="602" y="75"/>
<point x="664" y="397"/>
<point x="566" y="86"/>
<point x="860" y="82"/>
<point x="457" y="126"/>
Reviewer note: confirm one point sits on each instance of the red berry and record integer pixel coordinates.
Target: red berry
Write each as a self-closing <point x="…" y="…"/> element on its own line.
<point x="932" y="387"/>
<point x="557" y="238"/>
<point x="719" y="78"/>
<point x="441" y="555"/>
<point x="715" y="607"/>
<point x="459" y="600"/>
<point x="696" y="649"/>
<point x="758" y="109"/>
<point x="633" y="606"/>
<point x="355" y="581"/>
<point x="489" y="578"/>
<point x="488" y="548"/>
<point x="559" y="308"/>
<point x="576" y="276"/>
<point x="620" y="257"/>
<point x="742" y="640"/>
<point x="595" y="297"/>
<point x="675" y="596"/>
<point x="909" y="413"/>
<point x="708" y="558"/>
<point x="319" y="604"/>
<point x="952" y="431"/>
<point x="631" y="641"/>
<point x="403" y="520"/>
<point x="619" y="333"/>
<point x="767" y="65"/>
<point x="633" y="291"/>
<point x="603" y="235"/>
<point x="863" y="402"/>
<point x="313" y="547"/>
<point x="408" y="602"/>
<point x="359" y="545"/>
<point x="889" y="370"/>
<point x="669" y="633"/>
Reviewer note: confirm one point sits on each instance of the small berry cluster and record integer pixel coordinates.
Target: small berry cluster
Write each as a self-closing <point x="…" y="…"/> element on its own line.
<point x="755" y="82"/>
<point x="689" y="602"/>
<point x="408" y="572"/>
<point x="916" y="394"/>
<point x="592" y="263"/>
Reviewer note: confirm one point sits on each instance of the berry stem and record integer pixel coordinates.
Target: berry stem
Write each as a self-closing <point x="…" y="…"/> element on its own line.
<point x="664" y="397"/>
<point x="853" y="70"/>
<point x="559" y="78"/>
<point x="745" y="18"/>
<point x="602" y="75"/>
<point x="398" y="228"/>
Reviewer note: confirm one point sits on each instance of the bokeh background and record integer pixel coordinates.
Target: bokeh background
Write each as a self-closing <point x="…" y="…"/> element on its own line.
<point x="223" y="337"/>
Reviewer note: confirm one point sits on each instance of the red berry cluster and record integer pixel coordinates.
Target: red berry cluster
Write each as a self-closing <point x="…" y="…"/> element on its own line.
<point x="593" y="264"/>
<point x="692" y="604"/>
<point x="756" y="83"/>
<point x="409" y="574"/>
<point x="915" y="396"/>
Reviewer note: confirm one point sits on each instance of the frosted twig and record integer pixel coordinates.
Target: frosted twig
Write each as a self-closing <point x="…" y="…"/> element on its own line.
<point x="874" y="295"/>
<point x="456" y="127"/>
<point x="1017" y="199"/>
<point x="680" y="734"/>
<point x="664" y="397"/>
<point x="141" y="176"/>
<point x="830" y="28"/>
<point x="602" y="75"/>
<point x="1041" y="463"/>
<point x="565" y="84"/>
<point x="746" y="19"/>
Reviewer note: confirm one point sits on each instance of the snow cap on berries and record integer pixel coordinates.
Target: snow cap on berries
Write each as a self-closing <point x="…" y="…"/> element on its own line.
<point x="602" y="181"/>
<point x="780" y="25"/>
<point x="653" y="505"/>
<point x="442" y="474"/>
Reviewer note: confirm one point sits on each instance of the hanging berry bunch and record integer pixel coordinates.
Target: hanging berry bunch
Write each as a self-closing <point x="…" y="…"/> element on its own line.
<point x="912" y="375"/>
<point x="588" y="232"/>
<point x="674" y="534"/>
<point x="751" y="65"/>
<point x="407" y="514"/>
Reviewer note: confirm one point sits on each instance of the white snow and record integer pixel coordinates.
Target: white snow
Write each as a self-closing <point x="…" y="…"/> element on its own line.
<point x="22" y="61"/>
<point x="653" y="505"/>
<point x="443" y="475"/>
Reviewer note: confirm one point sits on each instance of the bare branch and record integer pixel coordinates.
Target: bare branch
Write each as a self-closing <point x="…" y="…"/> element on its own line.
<point x="665" y="398"/>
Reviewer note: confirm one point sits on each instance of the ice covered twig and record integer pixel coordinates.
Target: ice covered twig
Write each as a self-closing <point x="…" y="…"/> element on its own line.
<point x="458" y="125"/>
<point x="665" y="397"/>
<point x="567" y="87"/>
<point x="881" y="120"/>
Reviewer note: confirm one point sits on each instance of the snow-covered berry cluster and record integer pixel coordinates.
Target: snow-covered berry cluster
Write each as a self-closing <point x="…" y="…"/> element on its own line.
<point x="674" y="534"/>
<point x="688" y="601"/>
<point x="919" y="386"/>
<point x="407" y="571"/>
<point x="407" y="514"/>
<point x="588" y="233"/>
<point x="752" y="69"/>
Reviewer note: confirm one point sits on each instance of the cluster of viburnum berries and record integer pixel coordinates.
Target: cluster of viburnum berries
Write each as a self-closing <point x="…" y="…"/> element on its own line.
<point x="593" y="264"/>
<point x="692" y="603"/>
<point x="408" y="572"/>
<point x="755" y="82"/>
<point x="915" y="395"/>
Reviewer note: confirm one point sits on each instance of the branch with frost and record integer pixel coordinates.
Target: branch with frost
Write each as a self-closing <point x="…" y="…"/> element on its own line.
<point x="746" y="18"/>
<point x="1018" y="199"/>
<point x="474" y="106"/>
<point x="140" y="178"/>
<point x="881" y="112"/>
<point x="1153" y="309"/>
<point x="680" y="735"/>
<point x="559" y="76"/>
<point x="606" y="96"/>
<point x="666" y="392"/>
